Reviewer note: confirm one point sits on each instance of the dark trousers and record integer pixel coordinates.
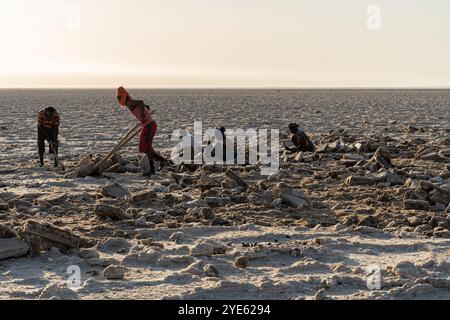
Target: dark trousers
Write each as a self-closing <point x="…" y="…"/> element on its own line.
<point x="156" y="156"/>
<point x="51" y="136"/>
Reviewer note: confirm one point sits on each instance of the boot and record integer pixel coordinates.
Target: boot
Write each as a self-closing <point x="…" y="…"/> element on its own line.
<point x="152" y="166"/>
<point x="152" y="169"/>
<point x="162" y="165"/>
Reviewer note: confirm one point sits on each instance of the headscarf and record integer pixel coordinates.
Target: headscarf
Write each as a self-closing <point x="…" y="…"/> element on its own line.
<point x="122" y="94"/>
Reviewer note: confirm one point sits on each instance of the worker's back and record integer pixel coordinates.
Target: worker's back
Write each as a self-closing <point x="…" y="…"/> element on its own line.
<point x="302" y="141"/>
<point x="48" y="118"/>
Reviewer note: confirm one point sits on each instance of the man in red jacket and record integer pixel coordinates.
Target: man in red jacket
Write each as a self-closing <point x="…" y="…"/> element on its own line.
<point x="142" y="113"/>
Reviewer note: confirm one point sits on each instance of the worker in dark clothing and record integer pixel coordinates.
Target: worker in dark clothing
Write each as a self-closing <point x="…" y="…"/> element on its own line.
<point x="48" y="130"/>
<point x="300" y="140"/>
<point x="222" y="131"/>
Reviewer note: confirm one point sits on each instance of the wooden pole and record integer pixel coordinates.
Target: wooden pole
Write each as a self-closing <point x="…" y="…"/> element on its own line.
<point x="128" y="133"/>
<point x="126" y="138"/>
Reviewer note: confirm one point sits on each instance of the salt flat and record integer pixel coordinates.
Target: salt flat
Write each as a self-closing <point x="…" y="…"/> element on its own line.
<point x="199" y="235"/>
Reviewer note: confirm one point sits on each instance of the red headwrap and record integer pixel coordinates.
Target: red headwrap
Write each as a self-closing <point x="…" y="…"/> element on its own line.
<point x="122" y="94"/>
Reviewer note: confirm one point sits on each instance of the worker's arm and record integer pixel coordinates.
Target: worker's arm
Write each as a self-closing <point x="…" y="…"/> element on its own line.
<point x="40" y="118"/>
<point x="141" y="105"/>
<point x="55" y="132"/>
<point x="56" y="120"/>
<point x="152" y="112"/>
<point x="143" y="114"/>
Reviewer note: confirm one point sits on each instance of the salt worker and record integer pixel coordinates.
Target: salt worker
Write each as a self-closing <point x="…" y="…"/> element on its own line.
<point x="300" y="140"/>
<point x="48" y="130"/>
<point x="143" y="114"/>
<point x="222" y="132"/>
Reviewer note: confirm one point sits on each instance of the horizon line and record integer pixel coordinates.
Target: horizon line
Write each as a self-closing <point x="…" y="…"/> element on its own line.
<point x="238" y="88"/>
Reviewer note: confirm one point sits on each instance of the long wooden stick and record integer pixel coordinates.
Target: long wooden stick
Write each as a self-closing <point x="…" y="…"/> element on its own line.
<point x="128" y="133"/>
<point x="127" y="138"/>
<point x="115" y="150"/>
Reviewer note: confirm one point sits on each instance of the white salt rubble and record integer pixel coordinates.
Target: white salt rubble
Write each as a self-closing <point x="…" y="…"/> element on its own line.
<point x="286" y="263"/>
<point x="373" y="200"/>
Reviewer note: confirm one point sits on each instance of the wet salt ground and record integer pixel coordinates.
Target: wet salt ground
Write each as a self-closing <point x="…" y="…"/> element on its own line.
<point x="92" y="121"/>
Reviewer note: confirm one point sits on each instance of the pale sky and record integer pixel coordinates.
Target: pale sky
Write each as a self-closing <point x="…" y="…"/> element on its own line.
<point x="223" y="43"/>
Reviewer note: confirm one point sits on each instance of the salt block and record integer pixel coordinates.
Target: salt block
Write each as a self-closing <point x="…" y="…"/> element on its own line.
<point x="114" y="190"/>
<point x="416" y="205"/>
<point x="143" y="196"/>
<point x="12" y="248"/>
<point x="114" y="272"/>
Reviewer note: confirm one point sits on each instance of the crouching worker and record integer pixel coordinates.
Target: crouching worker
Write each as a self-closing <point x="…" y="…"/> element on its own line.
<point x="300" y="140"/>
<point x="48" y="129"/>
<point x="143" y="114"/>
